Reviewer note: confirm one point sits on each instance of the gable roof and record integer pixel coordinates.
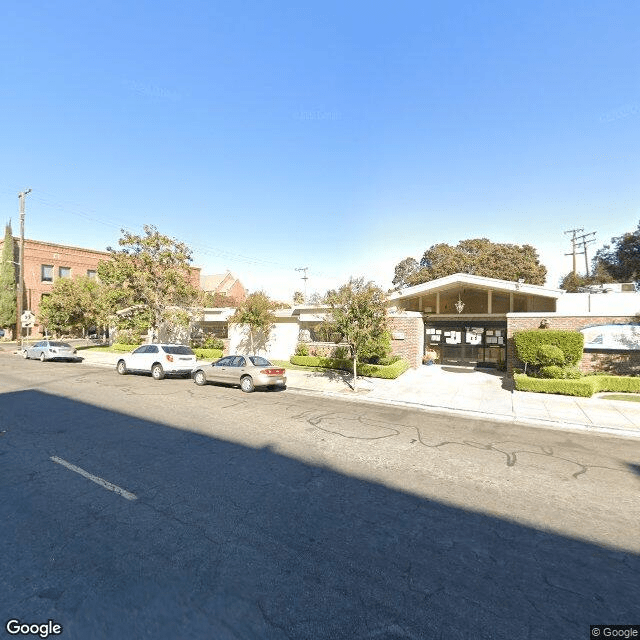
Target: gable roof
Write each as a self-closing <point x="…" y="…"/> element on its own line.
<point x="469" y="280"/>
<point x="218" y="283"/>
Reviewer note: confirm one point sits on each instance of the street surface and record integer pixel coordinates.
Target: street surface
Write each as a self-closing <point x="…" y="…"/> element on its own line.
<point x="140" y="509"/>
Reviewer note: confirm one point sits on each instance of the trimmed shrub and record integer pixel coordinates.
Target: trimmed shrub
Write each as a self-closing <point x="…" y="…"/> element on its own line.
<point x="549" y="354"/>
<point x="627" y="384"/>
<point x="302" y="349"/>
<point x="208" y="354"/>
<point x="556" y="372"/>
<point x="580" y="388"/>
<point x="389" y="372"/>
<point x="121" y="346"/>
<point x="584" y="387"/>
<point x="527" y="344"/>
<point x="129" y="336"/>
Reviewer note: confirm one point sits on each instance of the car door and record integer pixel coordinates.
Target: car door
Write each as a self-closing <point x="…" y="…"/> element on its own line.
<point x="237" y="369"/>
<point x="137" y="359"/>
<point x="219" y="371"/>
<point x="32" y="350"/>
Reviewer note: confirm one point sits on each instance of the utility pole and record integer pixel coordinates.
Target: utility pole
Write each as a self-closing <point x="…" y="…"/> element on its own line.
<point x="585" y="241"/>
<point x="573" y="247"/>
<point x="304" y="277"/>
<point x="21" y="196"/>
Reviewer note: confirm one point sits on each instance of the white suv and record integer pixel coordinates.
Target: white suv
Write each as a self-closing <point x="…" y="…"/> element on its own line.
<point x="158" y="360"/>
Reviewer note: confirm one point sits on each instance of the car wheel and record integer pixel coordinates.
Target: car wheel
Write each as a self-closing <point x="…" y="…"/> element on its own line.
<point x="25" y="355"/>
<point x="121" y="367"/>
<point x="42" y="358"/>
<point x="157" y="372"/>
<point x="246" y="384"/>
<point x="200" y="378"/>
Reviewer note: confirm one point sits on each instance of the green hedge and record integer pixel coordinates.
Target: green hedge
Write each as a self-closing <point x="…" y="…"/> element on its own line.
<point x="208" y="354"/>
<point x="584" y="387"/>
<point x="389" y="372"/>
<point x="529" y="342"/>
<point x="121" y="346"/>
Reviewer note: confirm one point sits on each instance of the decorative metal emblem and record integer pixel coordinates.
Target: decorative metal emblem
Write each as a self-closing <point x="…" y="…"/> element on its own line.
<point x="459" y="305"/>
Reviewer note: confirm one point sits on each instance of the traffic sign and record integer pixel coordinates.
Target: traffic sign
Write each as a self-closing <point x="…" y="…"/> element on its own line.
<point x="27" y="319"/>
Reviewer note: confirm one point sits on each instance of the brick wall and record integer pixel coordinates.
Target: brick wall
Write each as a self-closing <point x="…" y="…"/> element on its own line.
<point x="78" y="260"/>
<point x="618" y="362"/>
<point x="411" y="346"/>
<point x="37" y="254"/>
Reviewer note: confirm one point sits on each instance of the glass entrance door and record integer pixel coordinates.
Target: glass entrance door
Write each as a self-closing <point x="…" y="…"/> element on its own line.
<point x="483" y="344"/>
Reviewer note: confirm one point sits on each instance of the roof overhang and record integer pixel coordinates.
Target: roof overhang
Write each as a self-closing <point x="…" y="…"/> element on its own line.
<point x="457" y="280"/>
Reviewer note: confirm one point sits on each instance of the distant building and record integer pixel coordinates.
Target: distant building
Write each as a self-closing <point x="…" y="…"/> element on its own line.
<point x="225" y="287"/>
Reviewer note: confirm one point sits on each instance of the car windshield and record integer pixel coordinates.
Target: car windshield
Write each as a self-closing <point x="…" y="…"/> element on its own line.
<point x="259" y="362"/>
<point x="178" y="350"/>
<point x="60" y="344"/>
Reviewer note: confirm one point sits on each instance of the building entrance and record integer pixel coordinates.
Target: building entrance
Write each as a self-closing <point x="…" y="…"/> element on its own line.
<point x="465" y="343"/>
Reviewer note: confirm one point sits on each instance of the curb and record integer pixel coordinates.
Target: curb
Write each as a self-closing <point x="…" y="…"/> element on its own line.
<point x="480" y="415"/>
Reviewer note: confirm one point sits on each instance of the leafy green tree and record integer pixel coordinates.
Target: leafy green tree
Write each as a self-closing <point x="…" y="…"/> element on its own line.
<point x="575" y="283"/>
<point x="478" y="256"/>
<point x="621" y="258"/>
<point x="151" y="274"/>
<point x="256" y="312"/>
<point x="217" y="299"/>
<point x="359" y="315"/>
<point x="7" y="281"/>
<point x="404" y="272"/>
<point x="298" y="297"/>
<point x="74" y="305"/>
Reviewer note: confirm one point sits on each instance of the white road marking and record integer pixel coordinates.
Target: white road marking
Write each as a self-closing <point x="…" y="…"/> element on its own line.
<point x="103" y="483"/>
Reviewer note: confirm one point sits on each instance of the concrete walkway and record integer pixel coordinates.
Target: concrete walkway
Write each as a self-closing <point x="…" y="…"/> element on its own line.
<point x="485" y="394"/>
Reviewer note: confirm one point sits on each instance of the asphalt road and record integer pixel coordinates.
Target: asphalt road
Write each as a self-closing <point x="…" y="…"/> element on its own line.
<point x="139" y="509"/>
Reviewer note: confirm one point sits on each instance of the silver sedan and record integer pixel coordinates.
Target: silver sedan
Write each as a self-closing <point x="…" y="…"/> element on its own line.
<point x="50" y="350"/>
<point x="248" y="372"/>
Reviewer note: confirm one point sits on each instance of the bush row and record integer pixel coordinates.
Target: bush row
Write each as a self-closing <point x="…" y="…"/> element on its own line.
<point x="389" y="372"/>
<point x="208" y="354"/>
<point x="584" y="387"/>
<point x="122" y="346"/>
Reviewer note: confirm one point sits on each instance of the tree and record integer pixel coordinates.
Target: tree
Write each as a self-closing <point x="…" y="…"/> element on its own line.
<point x="359" y="315"/>
<point x="256" y="312"/>
<point x="298" y="297"/>
<point x="152" y="275"/>
<point x="405" y="270"/>
<point x="621" y="258"/>
<point x="478" y="256"/>
<point x="216" y="299"/>
<point x="74" y="304"/>
<point x="7" y="281"/>
<point x="575" y="283"/>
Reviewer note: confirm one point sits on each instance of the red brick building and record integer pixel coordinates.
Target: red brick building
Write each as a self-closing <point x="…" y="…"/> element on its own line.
<point x="46" y="262"/>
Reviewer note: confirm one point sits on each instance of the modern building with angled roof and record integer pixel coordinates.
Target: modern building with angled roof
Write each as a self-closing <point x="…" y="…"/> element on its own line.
<point x="470" y="320"/>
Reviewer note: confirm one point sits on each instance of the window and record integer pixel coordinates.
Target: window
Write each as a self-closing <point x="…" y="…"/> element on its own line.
<point x="178" y="350"/>
<point x="64" y="272"/>
<point x="92" y="273"/>
<point x="47" y="273"/>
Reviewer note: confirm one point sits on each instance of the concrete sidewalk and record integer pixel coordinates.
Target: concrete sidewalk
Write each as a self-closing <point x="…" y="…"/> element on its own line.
<point x="484" y="394"/>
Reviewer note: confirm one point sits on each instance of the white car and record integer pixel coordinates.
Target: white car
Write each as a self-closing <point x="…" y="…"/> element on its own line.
<point x="158" y="360"/>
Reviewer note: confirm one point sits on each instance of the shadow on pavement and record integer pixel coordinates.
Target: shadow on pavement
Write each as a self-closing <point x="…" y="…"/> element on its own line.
<point x="227" y="541"/>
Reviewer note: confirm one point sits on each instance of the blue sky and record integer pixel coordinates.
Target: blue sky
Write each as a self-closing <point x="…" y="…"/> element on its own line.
<point x="342" y="137"/>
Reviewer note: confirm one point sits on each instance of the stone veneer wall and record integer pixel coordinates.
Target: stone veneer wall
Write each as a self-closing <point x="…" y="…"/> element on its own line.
<point x="606" y="360"/>
<point x="411" y="346"/>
